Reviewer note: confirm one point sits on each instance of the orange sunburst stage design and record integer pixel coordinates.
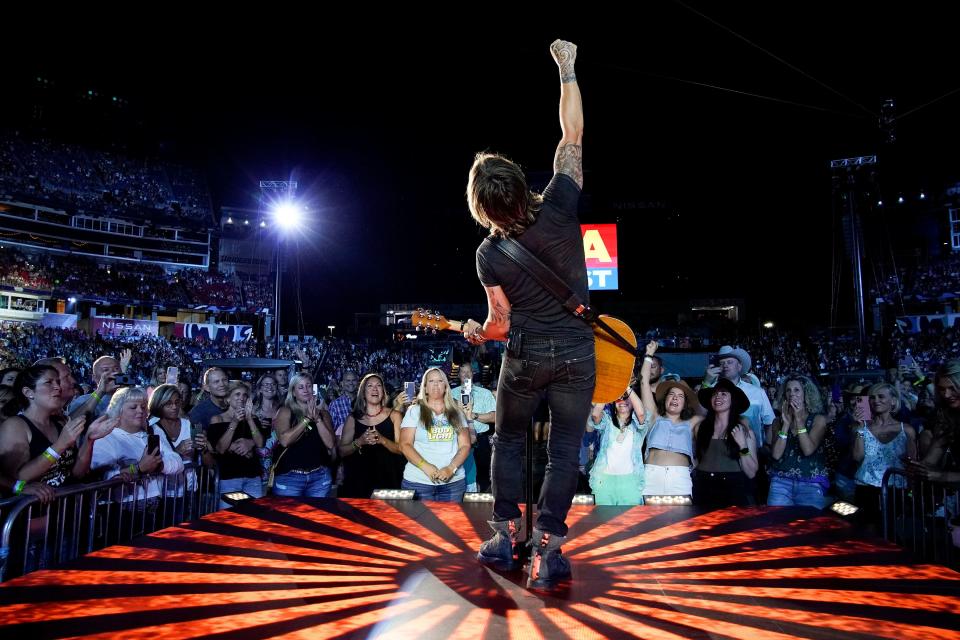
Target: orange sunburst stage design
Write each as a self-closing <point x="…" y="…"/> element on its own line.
<point x="279" y="567"/>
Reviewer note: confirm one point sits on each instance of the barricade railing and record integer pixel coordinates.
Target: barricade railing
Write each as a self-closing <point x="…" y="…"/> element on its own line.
<point x="88" y="517"/>
<point x="916" y="515"/>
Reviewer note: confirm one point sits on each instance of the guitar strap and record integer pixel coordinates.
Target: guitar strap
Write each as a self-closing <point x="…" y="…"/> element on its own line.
<point x="559" y="289"/>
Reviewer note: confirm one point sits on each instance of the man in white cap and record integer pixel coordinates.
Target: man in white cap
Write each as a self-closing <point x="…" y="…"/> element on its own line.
<point x="733" y="364"/>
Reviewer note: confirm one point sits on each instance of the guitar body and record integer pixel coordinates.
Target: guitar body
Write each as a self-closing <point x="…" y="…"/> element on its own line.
<point x="614" y="363"/>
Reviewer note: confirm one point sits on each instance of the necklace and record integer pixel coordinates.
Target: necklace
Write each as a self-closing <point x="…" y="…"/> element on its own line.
<point x="374" y="415"/>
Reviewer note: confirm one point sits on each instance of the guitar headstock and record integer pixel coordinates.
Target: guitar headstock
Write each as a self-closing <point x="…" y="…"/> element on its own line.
<point x="428" y="321"/>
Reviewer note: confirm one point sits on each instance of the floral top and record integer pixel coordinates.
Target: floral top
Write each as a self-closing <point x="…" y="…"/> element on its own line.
<point x="796" y="466"/>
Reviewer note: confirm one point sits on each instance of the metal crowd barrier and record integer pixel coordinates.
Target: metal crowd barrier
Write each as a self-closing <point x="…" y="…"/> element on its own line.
<point x="88" y="517"/>
<point x="917" y="516"/>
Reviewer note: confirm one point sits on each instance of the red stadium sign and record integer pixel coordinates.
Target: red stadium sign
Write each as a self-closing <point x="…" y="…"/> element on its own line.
<point x="600" y="251"/>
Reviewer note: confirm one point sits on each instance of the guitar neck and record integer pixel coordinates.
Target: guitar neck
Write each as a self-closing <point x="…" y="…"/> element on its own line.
<point x="454" y="325"/>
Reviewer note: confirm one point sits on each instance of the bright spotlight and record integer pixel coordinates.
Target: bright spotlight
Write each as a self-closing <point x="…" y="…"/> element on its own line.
<point x="287" y="215"/>
<point x="768" y="325"/>
<point x="900" y="199"/>
<point x="71" y="300"/>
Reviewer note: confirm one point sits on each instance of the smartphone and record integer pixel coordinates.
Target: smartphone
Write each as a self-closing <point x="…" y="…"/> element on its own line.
<point x="173" y="375"/>
<point x="835" y="393"/>
<point x="153" y="443"/>
<point x="314" y="389"/>
<point x="124" y="380"/>
<point x="410" y="388"/>
<point x="464" y="399"/>
<point x="864" y="403"/>
<point x="468" y="386"/>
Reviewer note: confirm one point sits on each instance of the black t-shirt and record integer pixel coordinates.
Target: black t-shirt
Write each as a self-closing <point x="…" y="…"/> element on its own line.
<point x="556" y="240"/>
<point x="233" y="465"/>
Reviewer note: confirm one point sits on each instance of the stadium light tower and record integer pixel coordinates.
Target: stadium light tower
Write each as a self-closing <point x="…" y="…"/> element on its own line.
<point x="278" y="196"/>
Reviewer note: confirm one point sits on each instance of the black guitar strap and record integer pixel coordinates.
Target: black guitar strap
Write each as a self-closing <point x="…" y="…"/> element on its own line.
<point x="557" y="287"/>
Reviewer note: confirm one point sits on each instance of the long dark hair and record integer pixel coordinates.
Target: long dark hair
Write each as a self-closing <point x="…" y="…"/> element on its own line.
<point x="705" y="434"/>
<point x="28" y="378"/>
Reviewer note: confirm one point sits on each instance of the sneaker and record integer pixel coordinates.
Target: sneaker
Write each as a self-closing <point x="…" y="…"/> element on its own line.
<point x="498" y="551"/>
<point x="547" y="564"/>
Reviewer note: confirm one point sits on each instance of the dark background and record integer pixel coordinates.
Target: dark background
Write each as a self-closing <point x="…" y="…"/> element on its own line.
<point x="378" y="115"/>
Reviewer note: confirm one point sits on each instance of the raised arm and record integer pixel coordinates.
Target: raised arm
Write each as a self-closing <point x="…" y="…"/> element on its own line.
<point x="646" y="391"/>
<point x="569" y="157"/>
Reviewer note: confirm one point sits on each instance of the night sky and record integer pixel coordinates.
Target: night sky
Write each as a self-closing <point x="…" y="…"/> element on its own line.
<point x="378" y="116"/>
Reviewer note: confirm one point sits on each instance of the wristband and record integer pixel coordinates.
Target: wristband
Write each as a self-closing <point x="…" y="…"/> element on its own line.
<point x="356" y="447"/>
<point x="799" y="431"/>
<point x="134" y="469"/>
<point x="421" y="463"/>
<point x="18" y="487"/>
<point x="96" y="396"/>
<point x="782" y="435"/>
<point x="51" y="455"/>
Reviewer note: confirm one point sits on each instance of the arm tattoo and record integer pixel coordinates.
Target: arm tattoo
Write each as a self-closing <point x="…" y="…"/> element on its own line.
<point x="565" y="53"/>
<point x="500" y="313"/>
<point x="569" y="160"/>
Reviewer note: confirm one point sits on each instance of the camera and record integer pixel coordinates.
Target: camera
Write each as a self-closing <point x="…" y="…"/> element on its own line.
<point x="124" y="380"/>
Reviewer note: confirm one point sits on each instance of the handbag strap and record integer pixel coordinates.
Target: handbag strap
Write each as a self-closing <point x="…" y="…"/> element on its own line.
<point x="559" y="289"/>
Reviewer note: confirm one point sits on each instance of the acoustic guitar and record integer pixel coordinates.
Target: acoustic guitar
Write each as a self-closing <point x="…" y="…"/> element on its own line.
<point x="614" y="363"/>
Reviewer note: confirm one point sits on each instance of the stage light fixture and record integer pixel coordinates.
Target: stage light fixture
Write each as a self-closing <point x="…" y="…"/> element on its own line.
<point x="393" y="494"/>
<point x="669" y="501"/>
<point x="478" y="497"/>
<point x="235" y="497"/>
<point x="844" y="509"/>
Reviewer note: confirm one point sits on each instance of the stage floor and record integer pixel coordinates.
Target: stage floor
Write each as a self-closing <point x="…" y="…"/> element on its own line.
<point x="329" y="568"/>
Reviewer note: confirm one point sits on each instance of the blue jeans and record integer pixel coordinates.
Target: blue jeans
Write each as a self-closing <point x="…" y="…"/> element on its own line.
<point x="315" y="484"/>
<point x="564" y="370"/>
<point x="444" y="492"/>
<point x="787" y="492"/>
<point x="252" y="486"/>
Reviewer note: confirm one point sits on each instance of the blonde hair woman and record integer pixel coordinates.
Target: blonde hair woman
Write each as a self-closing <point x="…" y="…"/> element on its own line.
<point x="305" y="442"/>
<point x="435" y="440"/>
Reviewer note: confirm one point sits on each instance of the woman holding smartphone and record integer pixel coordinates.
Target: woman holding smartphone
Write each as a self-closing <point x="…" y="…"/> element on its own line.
<point x="306" y="443"/>
<point x="164" y="409"/>
<point x="125" y="449"/>
<point x="880" y="443"/>
<point x="266" y="403"/>
<point x="435" y="441"/>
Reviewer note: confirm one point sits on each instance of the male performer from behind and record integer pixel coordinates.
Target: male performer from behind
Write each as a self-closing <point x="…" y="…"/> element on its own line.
<point x="550" y="352"/>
